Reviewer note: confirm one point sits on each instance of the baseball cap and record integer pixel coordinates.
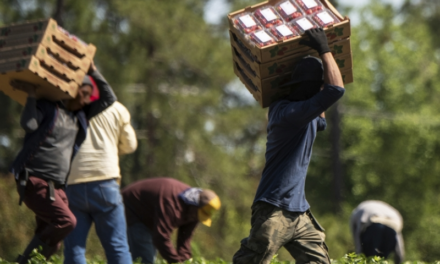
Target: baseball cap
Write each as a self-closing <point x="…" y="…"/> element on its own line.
<point x="209" y="204"/>
<point x="309" y="68"/>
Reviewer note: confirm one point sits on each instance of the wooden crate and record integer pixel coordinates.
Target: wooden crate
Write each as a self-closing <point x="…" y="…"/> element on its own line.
<point x="46" y="55"/>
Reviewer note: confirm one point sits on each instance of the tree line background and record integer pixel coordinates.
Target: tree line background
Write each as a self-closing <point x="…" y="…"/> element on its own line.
<point x="195" y="123"/>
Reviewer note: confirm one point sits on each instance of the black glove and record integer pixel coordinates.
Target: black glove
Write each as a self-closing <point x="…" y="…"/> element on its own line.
<point x="317" y="40"/>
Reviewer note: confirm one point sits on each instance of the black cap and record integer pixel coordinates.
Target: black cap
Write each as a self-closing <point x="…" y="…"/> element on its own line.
<point x="308" y="69"/>
<point x="87" y="81"/>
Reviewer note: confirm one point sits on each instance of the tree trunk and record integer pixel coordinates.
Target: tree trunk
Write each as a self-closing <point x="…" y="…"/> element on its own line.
<point x="58" y="15"/>
<point x="335" y="134"/>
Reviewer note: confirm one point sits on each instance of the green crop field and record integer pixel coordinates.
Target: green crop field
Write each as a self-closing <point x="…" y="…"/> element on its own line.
<point x="347" y="259"/>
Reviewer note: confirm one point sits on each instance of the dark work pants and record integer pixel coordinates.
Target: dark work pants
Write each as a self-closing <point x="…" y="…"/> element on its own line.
<point x="378" y="240"/>
<point x="273" y="228"/>
<point x="141" y="244"/>
<point x="54" y="218"/>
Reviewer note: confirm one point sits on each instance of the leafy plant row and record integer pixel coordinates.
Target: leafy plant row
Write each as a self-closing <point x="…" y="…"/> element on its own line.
<point x="350" y="258"/>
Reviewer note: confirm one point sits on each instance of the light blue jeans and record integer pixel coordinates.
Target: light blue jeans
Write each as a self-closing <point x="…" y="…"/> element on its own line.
<point x="141" y="243"/>
<point x="101" y="203"/>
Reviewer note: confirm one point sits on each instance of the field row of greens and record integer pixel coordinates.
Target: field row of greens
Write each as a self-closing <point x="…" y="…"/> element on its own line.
<point x="347" y="259"/>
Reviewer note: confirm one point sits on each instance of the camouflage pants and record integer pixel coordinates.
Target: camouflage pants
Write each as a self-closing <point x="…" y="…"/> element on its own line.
<point x="273" y="228"/>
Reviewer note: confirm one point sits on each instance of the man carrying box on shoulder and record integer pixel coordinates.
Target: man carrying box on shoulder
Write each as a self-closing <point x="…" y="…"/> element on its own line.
<point x="280" y="212"/>
<point x="54" y="133"/>
<point x="93" y="190"/>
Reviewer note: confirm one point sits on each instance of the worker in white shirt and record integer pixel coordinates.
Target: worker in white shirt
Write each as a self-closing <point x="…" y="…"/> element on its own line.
<point x="377" y="230"/>
<point x="93" y="191"/>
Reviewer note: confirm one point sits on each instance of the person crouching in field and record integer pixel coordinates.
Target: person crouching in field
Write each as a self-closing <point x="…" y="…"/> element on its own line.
<point x="377" y="230"/>
<point x="93" y="190"/>
<point x="280" y="212"/>
<point x="54" y="133"/>
<point x="155" y="207"/>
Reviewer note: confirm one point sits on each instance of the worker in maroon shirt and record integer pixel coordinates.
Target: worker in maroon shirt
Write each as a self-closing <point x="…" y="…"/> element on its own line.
<point x="155" y="207"/>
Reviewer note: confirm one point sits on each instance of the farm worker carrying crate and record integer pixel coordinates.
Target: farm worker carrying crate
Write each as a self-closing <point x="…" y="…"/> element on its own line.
<point x="377" y="230"/>
<point x="280" y="212"/>
<point x="54" y="133"/>
<point x="155" y="207"/>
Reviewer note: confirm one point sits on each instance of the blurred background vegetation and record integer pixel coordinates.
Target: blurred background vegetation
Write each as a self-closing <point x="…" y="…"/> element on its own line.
<point x="171" y="66"/>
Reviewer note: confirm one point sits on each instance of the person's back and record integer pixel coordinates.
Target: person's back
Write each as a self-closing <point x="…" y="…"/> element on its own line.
<point x="290" y="137"/>
<point x="377" y="230"/>
<point x="156" y="207"/>
<point x="93" y="189"/>
<point x="147" y="200"/>
<point x="110" y="135"/>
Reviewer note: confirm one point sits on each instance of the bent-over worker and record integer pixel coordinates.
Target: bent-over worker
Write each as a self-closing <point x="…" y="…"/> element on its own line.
<point x="155" y="207"/>
<point x="377" y="230"/>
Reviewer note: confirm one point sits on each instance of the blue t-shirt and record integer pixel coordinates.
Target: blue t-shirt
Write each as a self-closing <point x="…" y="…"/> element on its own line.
<point x="291" y="132"/>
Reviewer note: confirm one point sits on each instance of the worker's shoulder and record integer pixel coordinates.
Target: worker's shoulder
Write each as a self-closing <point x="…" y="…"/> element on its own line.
<point x="277" y="106"/>
<point x="279" y="109"/>
<point x="117" y="106"/>
<point x="171" y="180"/>
<point x="374" y="203"/>
<point x="118" y="110"/>
<point x="279" y="103"/>
<point x="172" y="184"/>
<point x="158" y="184"/>
<point x="160" y="179"/>
<point x="46" y="105"/>
<point x="377" y="207"/>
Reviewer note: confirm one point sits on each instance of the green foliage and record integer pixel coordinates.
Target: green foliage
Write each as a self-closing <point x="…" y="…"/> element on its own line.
<point x="17" y="222"/>
<point x="391" y="148"/>
<point x="351" y="258"/>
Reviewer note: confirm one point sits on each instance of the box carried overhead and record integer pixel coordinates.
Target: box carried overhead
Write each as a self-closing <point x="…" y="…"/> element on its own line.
<point x="287" y="62"/>
<point x="265" y="41"/>
<point x="50" y="85"/>
<point x="44" y="32"/>
<point x="44" y="54"/>
<point x="268" y="90"/>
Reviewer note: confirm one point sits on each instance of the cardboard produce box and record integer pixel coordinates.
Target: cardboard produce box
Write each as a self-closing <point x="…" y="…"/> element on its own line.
<point x="50" y="86"/>
<point x="286" y="63"/>
<point x="46" y="55"/>
<point x="271" y="69"/>
<point x="268" y="90"/>
<point x="52" y="50"/>
<point x="17" y="29"/>
<point x="265" y="43"/>
<point x="47" y="61"/>
<point x="282" y="48"/>
<point x="44" y="32"/>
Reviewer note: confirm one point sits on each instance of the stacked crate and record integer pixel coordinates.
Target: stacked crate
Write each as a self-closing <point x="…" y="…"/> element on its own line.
<point x="46" y="55"/>
<point x="264" y="69"/>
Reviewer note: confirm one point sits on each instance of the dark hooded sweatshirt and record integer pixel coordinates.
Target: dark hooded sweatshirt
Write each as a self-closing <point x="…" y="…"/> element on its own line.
<point x="155" y="203"/>
<point x="54" y="134"/>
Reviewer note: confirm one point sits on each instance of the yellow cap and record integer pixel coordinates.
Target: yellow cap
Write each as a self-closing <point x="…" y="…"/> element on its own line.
<point x="206" y="211"/>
